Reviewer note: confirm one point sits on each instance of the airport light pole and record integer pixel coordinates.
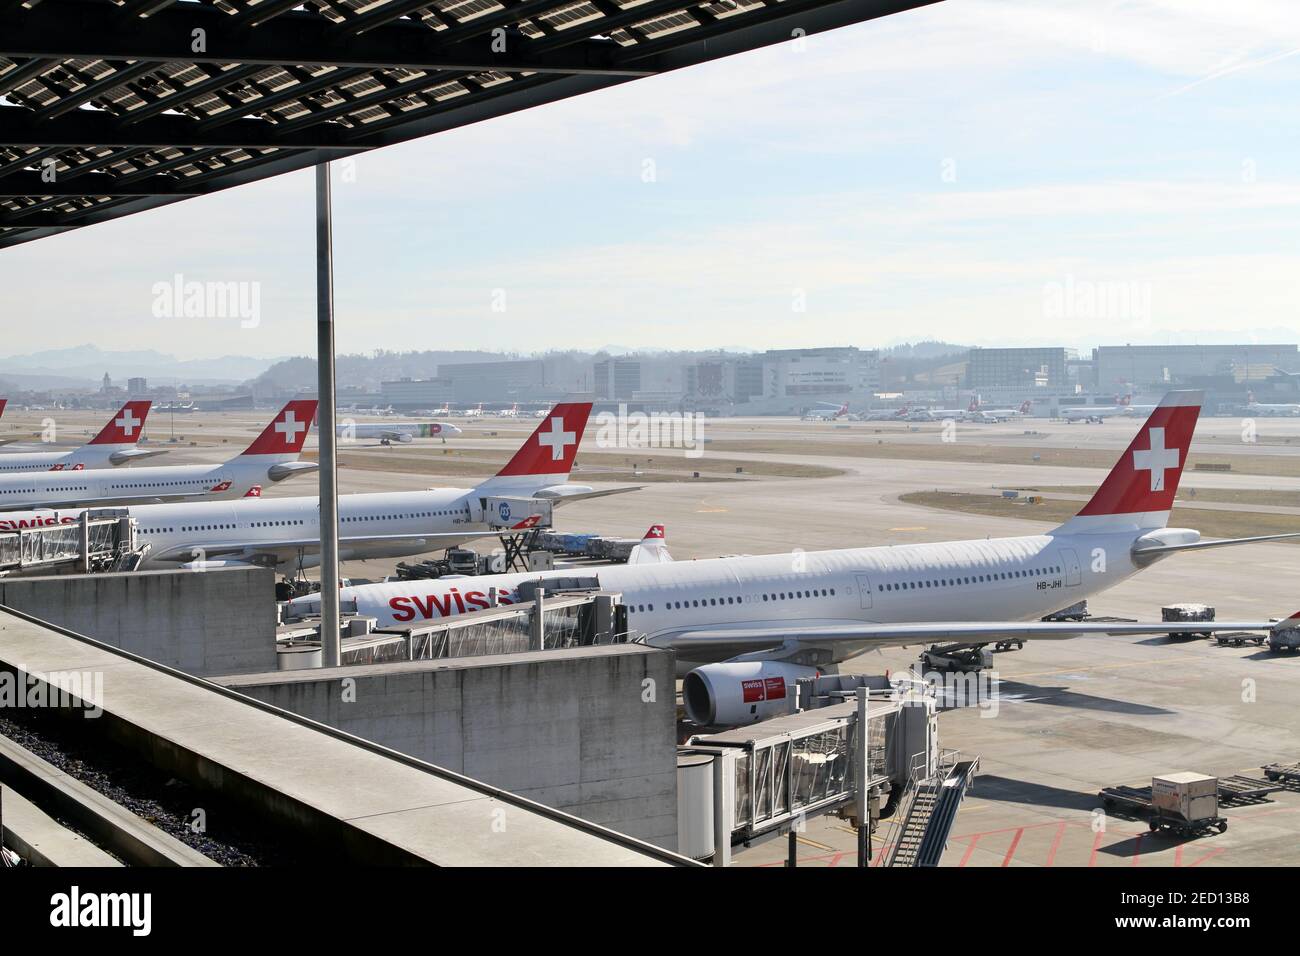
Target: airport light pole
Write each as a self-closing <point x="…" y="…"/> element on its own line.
<point x="329" y="501"/>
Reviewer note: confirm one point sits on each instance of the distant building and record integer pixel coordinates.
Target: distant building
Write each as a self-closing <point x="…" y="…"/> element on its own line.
<point x="1018" y="368"/>
<point x="137" y="386"/>
<point x="820" y="374"/>
<point x="1154" y="367"/>
<point x="724" y="381"/>
<point x="412" y="393"/>
<point x="616" y="379"/>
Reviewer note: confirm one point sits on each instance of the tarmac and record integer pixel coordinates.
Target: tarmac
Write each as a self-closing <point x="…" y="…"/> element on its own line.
<point x="1071" y="716"/>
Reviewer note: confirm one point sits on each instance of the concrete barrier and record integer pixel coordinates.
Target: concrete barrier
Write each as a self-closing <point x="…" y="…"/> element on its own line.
<point x="591" y="731"/>
<point x="202" y="622"/>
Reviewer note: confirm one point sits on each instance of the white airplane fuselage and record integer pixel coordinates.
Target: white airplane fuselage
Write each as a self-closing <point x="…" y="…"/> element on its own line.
<point x="234" y="477"/>
<point x="1021" y="578"/>
<point x="85" y="458"/>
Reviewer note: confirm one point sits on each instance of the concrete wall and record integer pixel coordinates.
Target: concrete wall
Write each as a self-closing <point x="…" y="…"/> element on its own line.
<point x="203" y="622"/>
<point x="568" y="728"/>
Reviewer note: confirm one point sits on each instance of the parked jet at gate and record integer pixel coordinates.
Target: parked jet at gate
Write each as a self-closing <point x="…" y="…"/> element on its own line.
<point x="272" y="457"/>
<point x="114" y="445"/>
<point x="765" y="621"/>
<point x="285" y="532"/>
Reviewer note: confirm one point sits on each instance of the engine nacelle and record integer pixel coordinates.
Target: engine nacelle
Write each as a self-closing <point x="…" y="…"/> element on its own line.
<point x="741" y="692"/>
<point x="405" y="437"/>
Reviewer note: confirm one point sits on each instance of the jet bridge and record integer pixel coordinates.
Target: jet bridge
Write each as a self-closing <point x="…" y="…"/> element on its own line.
<point x="764" y="780"/>
<point x="101" y="540"/>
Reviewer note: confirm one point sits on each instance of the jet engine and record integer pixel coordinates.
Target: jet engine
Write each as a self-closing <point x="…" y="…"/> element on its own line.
<point x="741" y="692"/>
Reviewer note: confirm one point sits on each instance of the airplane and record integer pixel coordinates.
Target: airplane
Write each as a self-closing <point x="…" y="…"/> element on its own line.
<point x="1096" y="414"/>
<point x="1002" y="414"/>
<point x="511" y="412"/>
<point x="746" y="628"/>
<point x="825" y="412"/>
<point x="1255" y="408"/>
<point x="285" y="532"/>
<point x="885" y="415"/>
<point x="114" y="445"/>
<point x="403" y="432"/>
<point x="942" y="414"/>
<point x="273" y="456"/>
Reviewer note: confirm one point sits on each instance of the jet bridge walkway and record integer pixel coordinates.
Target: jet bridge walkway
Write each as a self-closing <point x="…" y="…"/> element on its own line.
<point x="101" y="540"/>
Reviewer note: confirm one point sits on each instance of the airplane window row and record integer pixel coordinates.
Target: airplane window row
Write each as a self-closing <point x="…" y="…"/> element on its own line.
<point x="716" y="601"/>
<point x="788" y="595"/>
<point x="222" y="527"/>
<point x="415" y="514"/>
<point x="971" y="579"/>
<point x="162" y="484"/>
<point x="19" y="491"/>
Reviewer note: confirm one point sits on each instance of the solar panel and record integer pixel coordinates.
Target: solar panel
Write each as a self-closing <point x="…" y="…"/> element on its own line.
<point x="110" y="108"/>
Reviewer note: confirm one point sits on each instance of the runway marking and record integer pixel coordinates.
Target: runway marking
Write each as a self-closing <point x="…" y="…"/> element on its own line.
<point x="1178" y="856"/>
<point x="1056" y="843"/>
<point x="813" y="843"/>
<point x="704" y="510"/>
<point x="917" y="528"/>
<point x="1011" y="850"/>
<point x="970" y="849"/>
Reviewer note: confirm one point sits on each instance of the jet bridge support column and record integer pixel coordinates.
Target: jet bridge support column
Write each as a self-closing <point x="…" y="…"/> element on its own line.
<point x="329" y="503"/>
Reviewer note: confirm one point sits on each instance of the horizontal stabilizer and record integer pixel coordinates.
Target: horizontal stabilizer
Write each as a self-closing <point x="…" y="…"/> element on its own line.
<point x="1153" y="550"/>
<point x="562" y="494"/>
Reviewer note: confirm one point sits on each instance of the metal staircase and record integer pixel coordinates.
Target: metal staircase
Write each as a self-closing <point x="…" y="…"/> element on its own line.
<point x="928" y="811"/>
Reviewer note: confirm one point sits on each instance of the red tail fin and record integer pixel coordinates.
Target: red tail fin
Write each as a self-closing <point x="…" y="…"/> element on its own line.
<point x="287" y="432"/>
<point x="3" y="403"/>
<point x="1141" y="487"/>
<point x="550" y="449"/>
<point x="125" y="427"/>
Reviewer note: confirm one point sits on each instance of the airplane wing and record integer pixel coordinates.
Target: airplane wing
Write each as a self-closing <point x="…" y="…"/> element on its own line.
<point x="287" y="549"/>
<point x="769" y="634"/>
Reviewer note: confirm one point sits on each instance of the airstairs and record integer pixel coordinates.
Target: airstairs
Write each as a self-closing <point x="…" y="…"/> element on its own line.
<point x="928" y="811"/>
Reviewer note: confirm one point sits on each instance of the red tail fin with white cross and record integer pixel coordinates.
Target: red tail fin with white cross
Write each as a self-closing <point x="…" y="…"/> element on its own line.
<point x="1139" y="491"/>
<point x="126" y="426"/>
<point x="551" y="448"/>
<point x="287" y="432"/>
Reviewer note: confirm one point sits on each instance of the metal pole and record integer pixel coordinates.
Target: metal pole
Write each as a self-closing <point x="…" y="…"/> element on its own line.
<point x="792" y="849"/>
<point x="864" y="808"/>
<point x="329" y="503"/>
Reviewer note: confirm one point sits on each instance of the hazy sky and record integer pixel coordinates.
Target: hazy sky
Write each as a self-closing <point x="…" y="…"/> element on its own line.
<point x="981" y="171"/>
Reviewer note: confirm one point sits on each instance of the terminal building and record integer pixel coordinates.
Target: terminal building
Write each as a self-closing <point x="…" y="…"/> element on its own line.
<point x="1155" y="367"/>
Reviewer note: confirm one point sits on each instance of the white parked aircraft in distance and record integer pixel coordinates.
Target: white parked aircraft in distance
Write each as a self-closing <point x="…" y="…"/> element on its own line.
<point x="980" y="413"/>
<point x="285" y="532"/>
<point x="1096" y="414"/>
<point x="885" y="415"/>
<point x="1255" y="408"/>
<point x="825" y="412"/>
<point x="272" y="457"/>
<point x="114" y="445"/>
<point x="389" y="432"/>
<point x="745" y="629"/>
